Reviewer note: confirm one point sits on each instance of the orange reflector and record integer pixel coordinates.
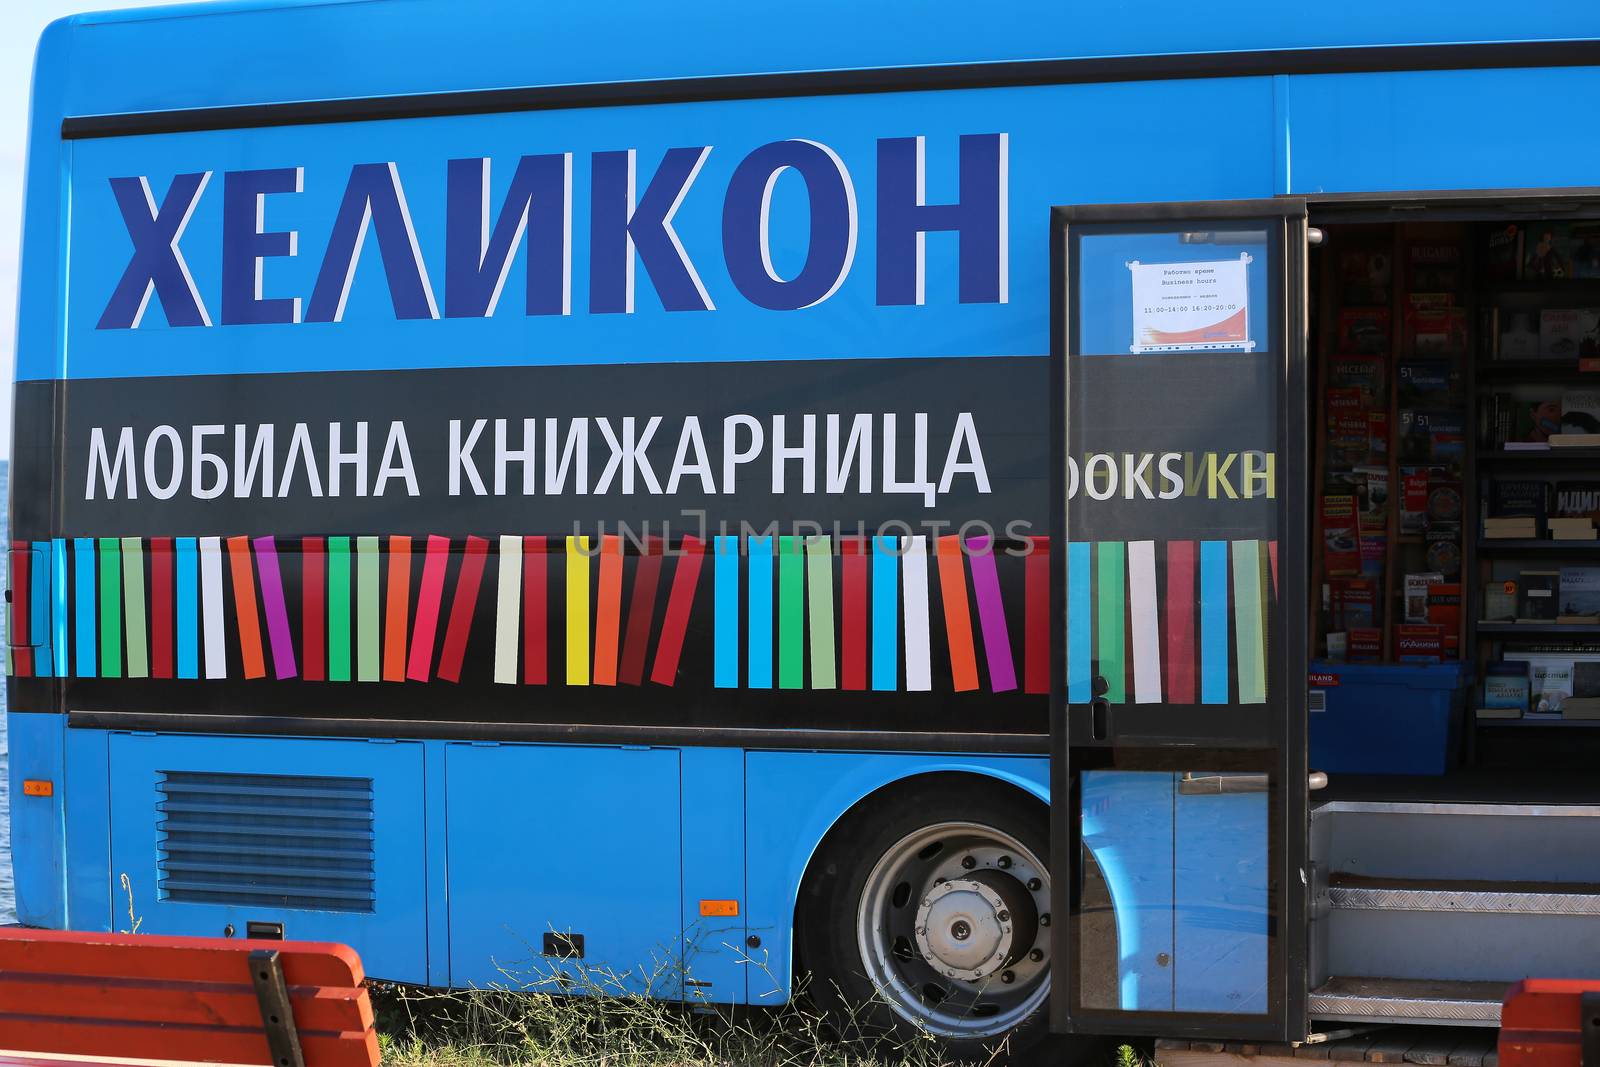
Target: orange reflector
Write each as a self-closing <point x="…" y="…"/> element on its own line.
<point x="719" y="907"/>
<point x="38" y="787"/>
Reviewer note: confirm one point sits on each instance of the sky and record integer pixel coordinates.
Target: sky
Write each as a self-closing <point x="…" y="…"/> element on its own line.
<point x="21" y="22"/>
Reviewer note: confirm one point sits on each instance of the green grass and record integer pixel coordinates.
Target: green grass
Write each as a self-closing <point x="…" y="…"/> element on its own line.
<point x="506" y="1026"/>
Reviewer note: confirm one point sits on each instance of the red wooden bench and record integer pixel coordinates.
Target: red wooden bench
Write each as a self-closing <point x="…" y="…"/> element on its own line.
<point x="1548" y="1022"/>
<point x="136" y="998"/>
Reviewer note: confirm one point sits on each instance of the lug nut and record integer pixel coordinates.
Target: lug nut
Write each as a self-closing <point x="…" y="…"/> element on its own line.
<point x="968" y="862"/>
<point x="1004" y="916"/>
<point x="1036" y="955"/>
<point x="1004" y="863"/>
<point x="1034" y="885"/>
<point x="1007" y="977"/>
<point x="1044" y="920"/>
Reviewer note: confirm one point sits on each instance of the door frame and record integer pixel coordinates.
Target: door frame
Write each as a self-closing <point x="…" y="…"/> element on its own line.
<point x="1289" y="830"/>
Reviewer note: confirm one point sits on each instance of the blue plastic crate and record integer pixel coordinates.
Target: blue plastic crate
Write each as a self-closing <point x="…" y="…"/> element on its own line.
<point x="1381" y="719"/>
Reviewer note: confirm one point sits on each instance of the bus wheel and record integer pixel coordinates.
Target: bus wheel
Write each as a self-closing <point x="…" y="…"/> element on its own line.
<point x="927" y="914"/>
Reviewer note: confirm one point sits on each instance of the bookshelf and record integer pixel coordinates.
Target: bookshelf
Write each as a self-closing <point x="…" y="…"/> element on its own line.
<point x="1508" y="374"/>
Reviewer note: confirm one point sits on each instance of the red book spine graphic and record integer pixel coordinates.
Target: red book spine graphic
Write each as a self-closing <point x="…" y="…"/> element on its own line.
<point x="853" y="613"/>
<point x="1180" y="622"/>
<point x="641" y="612"/>
<point x="535" y="613"/>
<point x="429" y="598"/>
<point x="21" y="607"/>
<point x="313" y="586"/>
<point x="462" y="607"/>
<point x="161" y="607"/>
<point x="680" y="601"/>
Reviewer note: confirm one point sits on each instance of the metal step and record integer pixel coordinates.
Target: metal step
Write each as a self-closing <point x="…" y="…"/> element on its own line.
<point x="1408" y="1000"/>
<point x="1366" y="892"/>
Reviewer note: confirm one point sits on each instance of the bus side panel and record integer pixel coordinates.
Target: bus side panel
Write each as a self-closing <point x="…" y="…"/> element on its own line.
<point x="90" y="902"/>
<point x="552" y="843"/>
<point x="714" y="949"/>
<point x="36" y="754"/>
<point x="1370" y="132"/>
<point x="782" y="834"/>
<point x="323" y="836"/>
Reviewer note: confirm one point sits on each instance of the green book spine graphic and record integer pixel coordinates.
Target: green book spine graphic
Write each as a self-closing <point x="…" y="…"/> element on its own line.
<point x="819" y="590"/>
<point x="110" y="608"/>
<point x="1247" y="627"/>
<point x="133" y="604"/>
<point x="338" y="609"/>
<point x="791" y="669"/>
<point x="1111" y="594"/>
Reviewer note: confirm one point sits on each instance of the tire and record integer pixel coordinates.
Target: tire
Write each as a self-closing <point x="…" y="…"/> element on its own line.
<point x="905" y="925"/>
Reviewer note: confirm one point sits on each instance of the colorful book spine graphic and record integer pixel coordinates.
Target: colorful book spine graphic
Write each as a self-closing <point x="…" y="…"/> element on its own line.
<point x="1179" y="622"/>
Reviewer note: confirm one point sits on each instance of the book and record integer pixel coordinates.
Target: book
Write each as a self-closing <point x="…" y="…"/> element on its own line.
<point x="1413" y="499"/>
<point x="1535" y="420"/>
<point x="1367" y="373"/>
<point x="1578" y="499"/>
<point x="1580" y="594"/>
<point x="1373" y="499"/>
<point x="1583" y="242"/>
<point x="1444" y="607"/>
<point x="1585" y="678"/>
<point x="1538" y="596"/>
<point x="1518" y="336"/>
<point x="1434" y="330"/>
<point x="1519" y="498"/>
<point x="1432" y="436"/>
<point x="1433" y="267"/>
<point x="1442" y="549"/>
<point x="1499" y="713"/>
<point x="1500" y="601"/>
<point x="1422" y="643"/>
<point x="1355" y="603"/>
<point x="1365" y="644"/>
<point x="1364" y="331"/>
<point x="1545" y="255"/>
<point x="1580" y="411"/>
<point x="1365" y="276"/>
<point x="1341" y="554"/>
<point x="1505" y="686"/>
<point x="1549" y="678"/>
<point x="1374" y="551"/>
<point x="1428" y="382"/>
<point x="1583" y="708"/>
<point x="1502" y="253"/>
<point x="1569" y="333"/>
<point x="1416" y="595"/>
<point x="1575" y="440"/>
<point x="1571" y="529"/>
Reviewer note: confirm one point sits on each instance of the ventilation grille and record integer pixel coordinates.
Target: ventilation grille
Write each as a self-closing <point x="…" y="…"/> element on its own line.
<point x="268" y="840"/>
<point x="1317" y="701"/>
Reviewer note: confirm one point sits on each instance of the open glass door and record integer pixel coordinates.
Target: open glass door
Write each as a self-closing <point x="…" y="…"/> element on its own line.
<point x="1178" y="718"/>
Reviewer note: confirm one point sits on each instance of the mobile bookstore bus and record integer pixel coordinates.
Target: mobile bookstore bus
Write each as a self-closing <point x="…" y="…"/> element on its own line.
<point x="695" y="496"/>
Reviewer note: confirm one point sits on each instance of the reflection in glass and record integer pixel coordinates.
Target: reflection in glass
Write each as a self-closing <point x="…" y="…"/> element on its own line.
<point x="1174" y="912"/>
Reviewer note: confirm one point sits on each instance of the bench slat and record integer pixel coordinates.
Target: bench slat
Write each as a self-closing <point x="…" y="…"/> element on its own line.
<point x="135" y="1041"/>
<point x="190" y="1004"/>
<point x="195" y="959"/>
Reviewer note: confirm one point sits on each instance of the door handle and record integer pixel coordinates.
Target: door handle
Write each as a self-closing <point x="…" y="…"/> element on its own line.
<point x="1099" y="710"/>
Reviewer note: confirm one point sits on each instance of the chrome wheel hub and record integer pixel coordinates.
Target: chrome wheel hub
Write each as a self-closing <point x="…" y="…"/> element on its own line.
<point x="952" y="929"/>
<point x="971" y="928"/>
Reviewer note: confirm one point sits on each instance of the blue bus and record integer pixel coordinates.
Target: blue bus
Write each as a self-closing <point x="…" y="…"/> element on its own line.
<point x="703" y="496"/>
